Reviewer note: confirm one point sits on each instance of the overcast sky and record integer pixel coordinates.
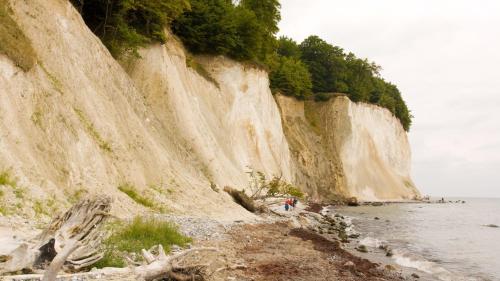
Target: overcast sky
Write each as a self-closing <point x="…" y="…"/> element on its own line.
<point x="444" y="55"/>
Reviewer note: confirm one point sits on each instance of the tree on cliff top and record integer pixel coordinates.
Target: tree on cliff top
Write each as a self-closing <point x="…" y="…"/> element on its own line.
<point x="244" y="32"/>
<point x="333" y="71"/>
<point x="125" y="25"/>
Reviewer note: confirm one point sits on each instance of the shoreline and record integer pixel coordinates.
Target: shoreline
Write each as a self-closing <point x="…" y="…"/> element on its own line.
<point x="306" y="243"/>
<point x="298" y="245"/>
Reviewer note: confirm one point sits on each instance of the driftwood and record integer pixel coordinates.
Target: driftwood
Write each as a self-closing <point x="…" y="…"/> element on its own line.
<point x="162" y="266"/>
<point x="71" y="240"/>
<point x="158" y="266"/>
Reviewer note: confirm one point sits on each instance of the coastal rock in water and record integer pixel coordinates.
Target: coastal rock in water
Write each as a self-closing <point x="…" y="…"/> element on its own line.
<point x="414" y="275"/>
<point x="390" y="267"/>
<point x="492" y="225"/>
<point x="377" y="204"/>
<point x="362" y="248"/>
<point x="349" y="264"/>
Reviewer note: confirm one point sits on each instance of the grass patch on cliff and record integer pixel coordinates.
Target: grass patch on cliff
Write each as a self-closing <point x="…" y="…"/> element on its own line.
<point x="200" y="69"/>
<point x="140" y="233"/>
<point x="89" y="126"/>
<point x="147" y="202"/>
<point x="132" y="193"/>
<point x="7" y="179"/>
<point x="13" y="42"/>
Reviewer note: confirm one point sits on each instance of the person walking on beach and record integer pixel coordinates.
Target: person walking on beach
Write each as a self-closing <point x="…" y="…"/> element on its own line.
<point x="286" y="205"/>
<point x="295" y="201"/>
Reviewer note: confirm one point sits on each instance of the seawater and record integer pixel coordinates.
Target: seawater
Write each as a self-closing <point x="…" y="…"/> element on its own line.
<point x="448" y="241"/>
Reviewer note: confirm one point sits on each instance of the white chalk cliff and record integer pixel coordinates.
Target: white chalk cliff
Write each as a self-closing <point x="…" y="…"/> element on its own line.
<point x="79" y="122"/>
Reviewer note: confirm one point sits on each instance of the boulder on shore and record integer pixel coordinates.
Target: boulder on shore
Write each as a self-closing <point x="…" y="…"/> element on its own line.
<point x="353" y="201"/>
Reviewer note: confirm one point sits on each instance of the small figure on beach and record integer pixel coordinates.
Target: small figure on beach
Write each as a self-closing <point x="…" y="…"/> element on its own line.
<point x="286" y="205"/>
<point x="295" y="201"/>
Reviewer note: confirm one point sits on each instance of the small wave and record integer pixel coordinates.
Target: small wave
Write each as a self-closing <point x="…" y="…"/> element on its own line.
<point x="419" y="263"/>
<point x="371" y="242"/>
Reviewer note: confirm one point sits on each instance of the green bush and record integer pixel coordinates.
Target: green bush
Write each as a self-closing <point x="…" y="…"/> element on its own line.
<point x="126" y="25"/>
<point x="7" y="179"/>
<point x="141" y="233"/>
<point x="279" y="187"/>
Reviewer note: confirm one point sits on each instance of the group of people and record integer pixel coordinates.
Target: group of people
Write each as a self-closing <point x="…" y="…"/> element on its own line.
<point x="290" y="203"/>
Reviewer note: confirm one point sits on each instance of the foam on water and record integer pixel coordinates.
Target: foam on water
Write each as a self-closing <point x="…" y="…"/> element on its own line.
<point x="371" y="242"/>
<point x="445" y="241"/>
<point x="413" y="261"/>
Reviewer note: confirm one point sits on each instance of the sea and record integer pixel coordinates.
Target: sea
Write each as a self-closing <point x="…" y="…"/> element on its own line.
<point x="450" y="241"/>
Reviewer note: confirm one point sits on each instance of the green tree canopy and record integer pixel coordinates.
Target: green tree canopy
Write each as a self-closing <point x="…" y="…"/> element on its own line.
<point x="125" y="25"/>
<point x="288" y="48"/>
<point x="244" y="32"/>
<point x="291" y="78"/>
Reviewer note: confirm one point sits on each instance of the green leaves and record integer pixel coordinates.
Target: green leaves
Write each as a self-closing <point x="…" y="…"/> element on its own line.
<point x="126" y="25"/>
<point x="219" y="27"/>
<point x="291" y="78"/>
<point x="333" y="71"/>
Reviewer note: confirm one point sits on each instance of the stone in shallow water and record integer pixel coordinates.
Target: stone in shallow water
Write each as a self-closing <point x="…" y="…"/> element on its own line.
<point x="362" y="248"/>
<point x="492" y="225"/>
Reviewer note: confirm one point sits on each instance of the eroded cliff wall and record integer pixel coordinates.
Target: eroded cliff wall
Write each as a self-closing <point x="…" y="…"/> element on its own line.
<point x="353" y="149"/>
<point x="79" y="122"/>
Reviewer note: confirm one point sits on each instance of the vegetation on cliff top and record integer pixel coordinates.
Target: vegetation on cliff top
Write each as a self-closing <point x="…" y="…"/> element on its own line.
<point x="244" y="30"/>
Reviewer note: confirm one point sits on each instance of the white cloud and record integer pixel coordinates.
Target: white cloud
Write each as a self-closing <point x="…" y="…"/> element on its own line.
<point x="445" y="57"/>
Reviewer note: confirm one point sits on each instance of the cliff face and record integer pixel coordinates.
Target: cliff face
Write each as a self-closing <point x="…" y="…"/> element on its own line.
<point x="78" y="122"/>
<point x="366" y="149"/>
<point x="318" y="168"/>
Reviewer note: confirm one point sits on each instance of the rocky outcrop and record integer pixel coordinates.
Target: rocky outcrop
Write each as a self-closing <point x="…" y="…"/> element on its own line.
<point x="318" y="166"/>
<point x="366" y="149"/>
